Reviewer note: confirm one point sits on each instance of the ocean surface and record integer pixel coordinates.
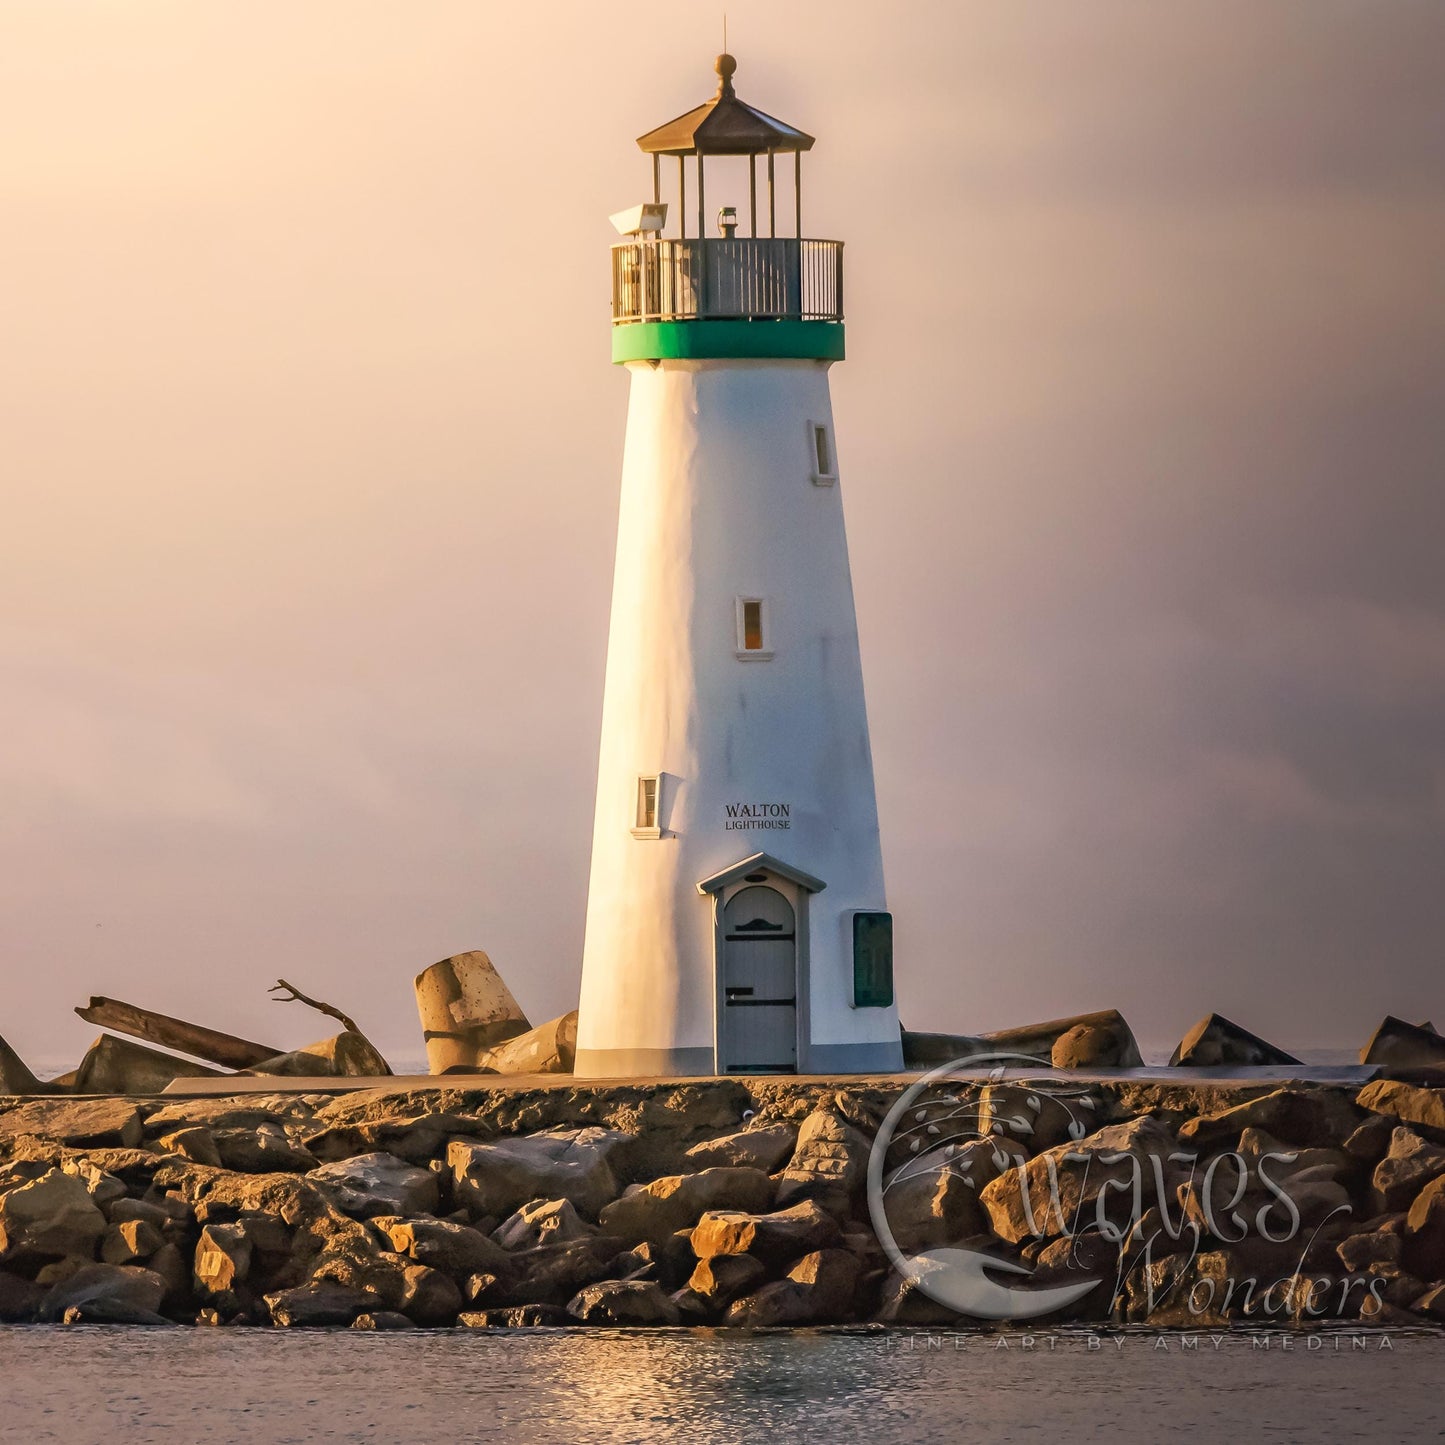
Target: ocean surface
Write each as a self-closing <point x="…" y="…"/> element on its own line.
<point x="88" y="1385"/>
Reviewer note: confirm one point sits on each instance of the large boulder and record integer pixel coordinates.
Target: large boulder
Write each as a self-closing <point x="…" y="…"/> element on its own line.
<point x="818" y="1290"/>
<point x="1407" y="1167"/>
<point x="927" y="1207"/>
<point x="1059" y="1191"/>
<point x="1028" y="1118"/>
<point x="51" y="1215"/>
<point x="345" y="1055"/>
<point x="106" y="1294"/>
<point x="720" y="1279"/>
<point x="658" y="1210"/>
<point x="543" y="1221"/>
<point x="222" y="1261"/>
<point x="454" y="1248"/>
<point x="1094" y="1046"/>
<point x="829" y="1164"/>
<point x="79" y="1123"/>
<point x="1425" y="1232"/>
<point x="261" y="1149"/>
<point x="1037" y="1041"/>
<point x="554" y="1273"/>
<point x="623" y="1302"/>
<point x="1215" y="1041"/>
<point x="466" y="1010"/>
<point x="416" y="1138"/>
<point x="764" y="1146"/>
<point x="1397" y="1044"/>
<point x="113" y="1065"/>
<point x="498" y="1177"/>
<point x="130" y="1242"/>
<point x="774" y="1238"/>
<point x="1305" y="1116"/>
<point x="1424" y="1108"/>
<point x="377" y="1184"/>
<point x="321" y="1302"/>
<point x="550" y="1048"/>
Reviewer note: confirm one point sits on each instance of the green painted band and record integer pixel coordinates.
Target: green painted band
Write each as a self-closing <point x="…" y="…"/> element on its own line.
<point x="711" y="340"/>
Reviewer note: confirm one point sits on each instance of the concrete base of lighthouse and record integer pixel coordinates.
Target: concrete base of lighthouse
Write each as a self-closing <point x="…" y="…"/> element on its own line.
<point x="732" y="919"/>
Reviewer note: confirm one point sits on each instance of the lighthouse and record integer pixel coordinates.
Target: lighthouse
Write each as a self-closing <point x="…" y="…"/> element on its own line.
<point x="737" y="920"/>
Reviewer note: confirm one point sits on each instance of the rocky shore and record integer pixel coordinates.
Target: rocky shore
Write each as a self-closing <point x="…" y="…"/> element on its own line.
<point x="738" y="1202"/>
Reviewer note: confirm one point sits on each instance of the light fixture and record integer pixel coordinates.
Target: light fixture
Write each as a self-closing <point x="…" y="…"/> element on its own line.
<point x="727" y="221"/>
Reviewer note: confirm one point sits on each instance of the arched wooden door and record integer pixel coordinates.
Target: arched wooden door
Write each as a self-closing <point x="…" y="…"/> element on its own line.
<point x="760" y="983"/>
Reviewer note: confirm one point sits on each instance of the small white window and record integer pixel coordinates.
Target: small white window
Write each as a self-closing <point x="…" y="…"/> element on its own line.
<point x="820" y="454"/>
<point x="755" y="643"/>
<point x="649" y="792"/>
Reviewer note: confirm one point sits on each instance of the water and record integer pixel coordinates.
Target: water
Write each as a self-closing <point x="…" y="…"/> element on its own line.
<point x="85" y="1386"/>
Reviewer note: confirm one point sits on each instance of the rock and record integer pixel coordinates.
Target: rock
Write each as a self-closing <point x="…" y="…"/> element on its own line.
<point x="15" y="1078"/>
<point x="19" y="1299"/>
<point x="1357" y="1252"/>
<point x="322" y="1302"/>
<point x="1036" y="1041"/>
<point x="818" y="1290"/>
<point x="424" y="1295"/>
<point x="1215" y="1041"/>
<point x="382" y="1320"/>
<point x="774" y="1238"/>
<point x="927" y="1051"/>
<point x="543" y="1221"/>
<point x="130" y="1243"/>
<point x="125" y="1210"/>
<point x="262" y="1149"/>
<point x="720" y="1279"/>
<point x="498" y="1178"/>
<point x="829" y="1164"/>
<point x="1425" y="1108"/>
<point x="927" y="1207"/>
<point x="106" y="1294"/>
<point x="691" y="1308"/>
<point x="1397" y="1044"/>
<point x="222" y="1260"/>
<point x="455" y="1249"/>
<point x="79" y="1123"/>
<point x="102" y="1186"/>
<point x="764" y="1147"/>
<point x="195" y="1144"/>
<point x="657" y="1210"/>
<point x="465" y="1011"/>
<point x="113" y="1065"/>
<point x="1028" y="1118"/>
<point x="1093" y="1046"/>
<point x="1431" y="1304"/>
<point x="1371" y="1141"/>
<point x="1301" y="1116"/>
<point x="1424" y="1231"/>
<point x="554" y="1273"/>
<point x="1256" y="1142"/>
<point x="550" y="1048"/>
<point x="245" y="1112"/>
<point x="1408" y="1166"/>
<point x="904" y="1303"/>
<point x="377" y="1184"/>
<point x="517" y="1317"/>
<point x="344" y="1055"/>
<point x="51" y="1215"/>
<point x="1059" y="1191"/>
<point x="416" y="1138"/>
<point x="174" y="1270"/>
<point x="624" y="1302"/>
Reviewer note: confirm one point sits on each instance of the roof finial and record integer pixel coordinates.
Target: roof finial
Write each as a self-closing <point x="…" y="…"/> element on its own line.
<point x="726" y="67"/>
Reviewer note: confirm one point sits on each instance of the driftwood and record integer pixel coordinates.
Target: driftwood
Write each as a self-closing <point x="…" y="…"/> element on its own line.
<point x="214" y="1047"/>
<point x="292" y="994"/>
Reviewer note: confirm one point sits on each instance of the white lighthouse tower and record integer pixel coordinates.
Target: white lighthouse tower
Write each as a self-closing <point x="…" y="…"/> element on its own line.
<point x="736" y="917"/>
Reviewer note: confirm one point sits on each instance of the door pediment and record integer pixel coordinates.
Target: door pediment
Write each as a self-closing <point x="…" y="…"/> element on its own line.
<point x="760" y="863"/>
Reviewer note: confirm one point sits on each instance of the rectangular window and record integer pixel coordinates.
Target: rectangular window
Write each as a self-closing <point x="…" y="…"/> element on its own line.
<point x="645" y="825"/>
<point x="754" y="644"/>
<point x="872" y="960"/>
<point x="820" y="441"/>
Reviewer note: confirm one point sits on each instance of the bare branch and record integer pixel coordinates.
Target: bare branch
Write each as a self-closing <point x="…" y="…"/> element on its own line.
<point x="289" y="993"/>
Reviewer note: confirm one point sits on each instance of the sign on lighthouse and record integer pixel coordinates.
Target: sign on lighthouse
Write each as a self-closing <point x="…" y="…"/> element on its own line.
<point x="736" y="916"/>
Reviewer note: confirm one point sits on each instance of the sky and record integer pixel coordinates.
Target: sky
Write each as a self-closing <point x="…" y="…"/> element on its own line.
<point x="309" y="465"/>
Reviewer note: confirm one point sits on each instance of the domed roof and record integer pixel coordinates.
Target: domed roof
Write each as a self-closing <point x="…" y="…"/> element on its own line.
<point x="724" y="126"/>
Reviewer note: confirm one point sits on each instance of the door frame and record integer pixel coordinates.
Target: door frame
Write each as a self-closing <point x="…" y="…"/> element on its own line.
<point x="797" y="887"/>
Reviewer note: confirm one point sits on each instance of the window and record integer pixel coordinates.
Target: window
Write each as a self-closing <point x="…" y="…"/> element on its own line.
<point x="645" y="825"/>
<point x="820" y="447"/>
<point x="872" y="960"/>
<point x="754" y="642"/>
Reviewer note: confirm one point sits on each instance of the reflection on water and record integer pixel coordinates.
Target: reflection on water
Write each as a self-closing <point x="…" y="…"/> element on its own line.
<point x="76" y="1386"/>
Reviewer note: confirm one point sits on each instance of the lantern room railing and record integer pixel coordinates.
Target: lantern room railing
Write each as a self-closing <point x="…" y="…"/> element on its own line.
<point x="696" y="280"/>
